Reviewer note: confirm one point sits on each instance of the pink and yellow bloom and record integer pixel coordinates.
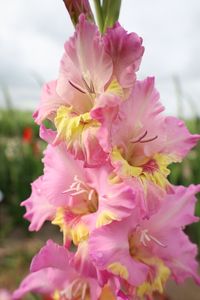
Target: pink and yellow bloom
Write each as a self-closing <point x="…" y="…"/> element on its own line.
<point x="96" y="73"/>
<point x="143" y="254"/>
<point x="75" y="198"/>
<point x="52" y="275"/>
<point x="105" y="180"/>
<point x="142" y="141"/>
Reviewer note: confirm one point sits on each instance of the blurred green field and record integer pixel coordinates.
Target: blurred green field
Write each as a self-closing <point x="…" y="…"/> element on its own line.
<point x="20" y="163"/>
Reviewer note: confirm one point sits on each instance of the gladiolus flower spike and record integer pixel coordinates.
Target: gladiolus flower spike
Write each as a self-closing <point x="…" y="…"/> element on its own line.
<point x="105" y="181"/>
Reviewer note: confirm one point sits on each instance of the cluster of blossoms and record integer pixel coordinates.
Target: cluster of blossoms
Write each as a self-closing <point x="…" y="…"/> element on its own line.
<point x="105" y="178"/>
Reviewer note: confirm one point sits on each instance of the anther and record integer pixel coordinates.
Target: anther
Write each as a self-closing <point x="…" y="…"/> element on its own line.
<point x="146" y="237"/>
<point x="141" y="139"/>
<point x="90" y="88"/>
<point x="149" y="140"/>
<point x="77" y="87"/>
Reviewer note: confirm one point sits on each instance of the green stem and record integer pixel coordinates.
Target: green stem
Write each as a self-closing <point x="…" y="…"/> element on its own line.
<point x="111" y="10"/>
<point x="99" y="15"/>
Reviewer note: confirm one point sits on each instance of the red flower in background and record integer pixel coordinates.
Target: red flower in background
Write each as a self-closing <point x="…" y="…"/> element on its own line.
<point x="29" y="138"/>
<point x="27" y="135"/>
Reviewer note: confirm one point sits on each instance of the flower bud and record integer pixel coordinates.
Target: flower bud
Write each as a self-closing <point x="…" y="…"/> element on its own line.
<point x="77" y="7"/>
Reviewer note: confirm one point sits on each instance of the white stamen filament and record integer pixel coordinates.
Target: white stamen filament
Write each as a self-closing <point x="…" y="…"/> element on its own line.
<point x="157" y="241"/>
<point x="84" y="290"/>
<point x="73" y="185"/>
<point x="76" y="186"/>
<point x="77" y="288"/>
<point x="79" y="193"/>
<point x="146" y="237"/>
<point x="90" y="195"/>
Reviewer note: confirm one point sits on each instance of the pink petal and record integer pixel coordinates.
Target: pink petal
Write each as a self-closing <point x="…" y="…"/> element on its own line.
<point x="167" y="227"/>
<point x="81" y="261"/>
<point x="109" y="244"/>
<point x="38" y="207"/>
<point x="51" y="256"/>
<point x="117" y="198"/>
<point x="85" y="57"/>
<point x="126" y="51"/>
<point x="45" y="281"/>
<point x="48" y="192"/>
<point x="49" y="103"/>
<point x="90" y="151"/>
<point x="179" y="141"/>
<point x="177" y="209"/>
<point x="180" y="256"/>
<point x="59" y="171"/>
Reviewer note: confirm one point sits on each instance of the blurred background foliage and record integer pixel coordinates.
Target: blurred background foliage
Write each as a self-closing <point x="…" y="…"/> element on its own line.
<point x="20" y="163"/>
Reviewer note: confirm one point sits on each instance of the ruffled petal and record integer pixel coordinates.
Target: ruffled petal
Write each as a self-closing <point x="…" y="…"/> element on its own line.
<point x="177" y="209"/>
<point x="111" y="252"/>
<point x="79" y="134"/>
<point x="59" y="171"/>
<point x="115" y="200"/>
<point x="81" y="261"/>
<point x="49" y="103"/>
<point x="51" y="256"/>
<point x="38" y="207"/>
<point x="179" y="141"/>
<point x="166" y="229"/>
<point x="45" y="282"/>
<point x="85" y="65"/>
<point x="126" y="51"/>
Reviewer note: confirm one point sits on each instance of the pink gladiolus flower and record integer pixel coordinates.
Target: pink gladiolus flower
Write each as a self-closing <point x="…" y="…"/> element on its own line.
<point x="75" y="198"/>
<point x="143" y="254"/>
<point x="142" y="142"/>
<point x="90" y="81"/>
<point x="52" y="275"/>
<point x="88" y="75"/>
<point x="105" y="180"/>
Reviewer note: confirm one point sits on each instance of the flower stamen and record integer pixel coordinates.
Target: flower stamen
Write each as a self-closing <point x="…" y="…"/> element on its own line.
<point x="90" y="88"/>
<point x="89" y="195"/>
<point x="76" y="87"/>
<point x="149" y="140"/>
<point x="146" y="237"/>
<point x="141" y="139"/>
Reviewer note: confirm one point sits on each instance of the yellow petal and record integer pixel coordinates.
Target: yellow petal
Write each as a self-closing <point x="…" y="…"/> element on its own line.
<point x="126" y="169"/>
<point x="70" y="126"/>
<point x="157" y="284"/>
<point x="115" y="88"/>
<point x="118" y="269"/>
<point x="79" y="233"/>
<point x="105" y="217"/>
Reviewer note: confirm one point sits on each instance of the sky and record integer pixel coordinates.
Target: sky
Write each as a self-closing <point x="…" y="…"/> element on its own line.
<point x="32" y="34"/>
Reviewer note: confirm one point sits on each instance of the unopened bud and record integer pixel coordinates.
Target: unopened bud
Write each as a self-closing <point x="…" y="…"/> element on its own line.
<point x="77" y="7"/>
